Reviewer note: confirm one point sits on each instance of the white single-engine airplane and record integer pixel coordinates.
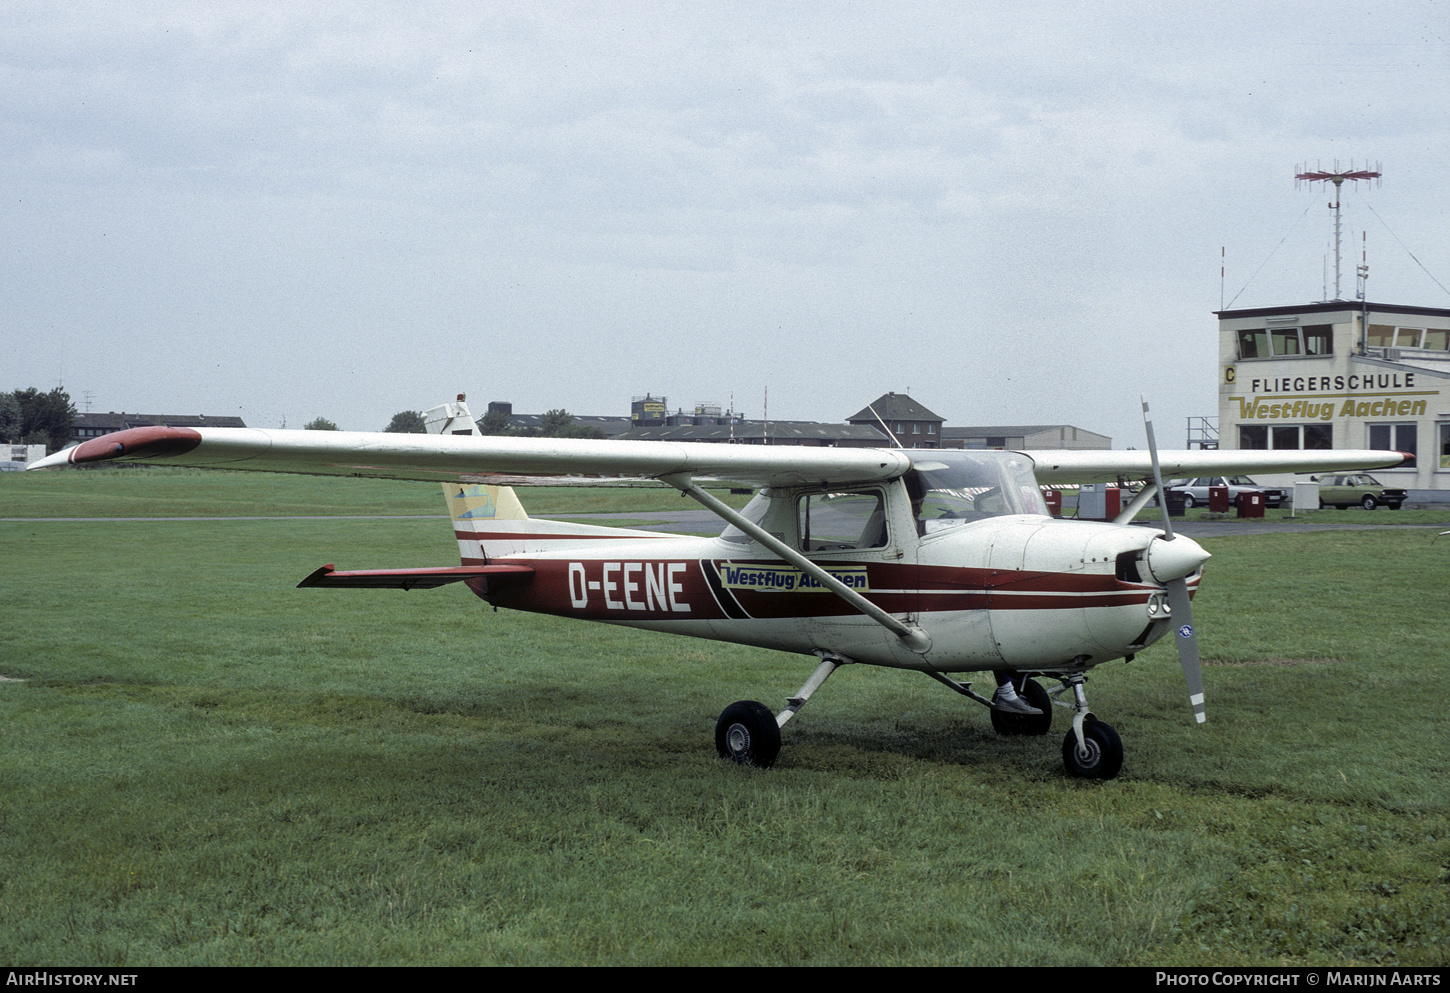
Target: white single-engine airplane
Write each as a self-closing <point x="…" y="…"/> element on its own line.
<point x="943" y="561"/>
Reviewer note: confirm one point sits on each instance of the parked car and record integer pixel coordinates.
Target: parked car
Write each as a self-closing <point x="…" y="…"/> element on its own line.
<point x="1195" y="491"/>
<point x="1357" y="487"/>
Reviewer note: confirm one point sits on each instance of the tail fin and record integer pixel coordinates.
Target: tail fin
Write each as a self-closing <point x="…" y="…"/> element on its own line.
<point x="489" y="521"/>
<point x="472" y="506"/>
<point x="479" y="514"/>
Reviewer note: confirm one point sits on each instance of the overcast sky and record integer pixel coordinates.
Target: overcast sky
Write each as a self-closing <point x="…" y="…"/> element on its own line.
<point x="1013" y="210"/>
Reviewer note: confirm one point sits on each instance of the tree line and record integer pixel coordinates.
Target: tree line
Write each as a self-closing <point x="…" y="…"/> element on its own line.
<point x="30" y="417"/>
<point x="558" y="423"/>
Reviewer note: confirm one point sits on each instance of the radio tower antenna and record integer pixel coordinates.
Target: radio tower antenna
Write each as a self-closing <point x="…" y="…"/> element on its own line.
<point x="1302" y="174"/>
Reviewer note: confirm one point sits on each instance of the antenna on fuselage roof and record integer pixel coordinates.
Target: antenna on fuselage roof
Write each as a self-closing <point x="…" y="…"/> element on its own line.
<point x="885" y="428"/>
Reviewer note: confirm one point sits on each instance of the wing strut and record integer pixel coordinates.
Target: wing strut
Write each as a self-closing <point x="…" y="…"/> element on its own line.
<point x="912" y="636"/>
<point x="1139" y="502"/>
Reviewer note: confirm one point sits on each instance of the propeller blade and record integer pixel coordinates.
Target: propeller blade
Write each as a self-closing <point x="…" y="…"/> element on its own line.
<point x="1187" y="637"/>
<point x="1157" y="474"/>
<point x="1178" y="600"/>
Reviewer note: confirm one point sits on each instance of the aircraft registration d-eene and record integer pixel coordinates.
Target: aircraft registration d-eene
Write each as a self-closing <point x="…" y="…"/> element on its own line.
<point x="942" y="561"/>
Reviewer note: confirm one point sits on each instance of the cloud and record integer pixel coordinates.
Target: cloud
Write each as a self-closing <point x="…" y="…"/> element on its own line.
<point x="737" y="192"/>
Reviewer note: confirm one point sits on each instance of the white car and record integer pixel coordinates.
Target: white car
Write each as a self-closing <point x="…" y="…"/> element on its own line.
<point x="1195" y="491"/>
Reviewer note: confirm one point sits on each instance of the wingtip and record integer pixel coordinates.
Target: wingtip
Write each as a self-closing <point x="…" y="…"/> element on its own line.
<point x="59" y="458"/>
<point x="133" y="443"/>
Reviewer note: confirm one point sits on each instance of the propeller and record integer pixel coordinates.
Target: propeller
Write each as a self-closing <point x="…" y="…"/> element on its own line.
<point x="1171" y="563"/>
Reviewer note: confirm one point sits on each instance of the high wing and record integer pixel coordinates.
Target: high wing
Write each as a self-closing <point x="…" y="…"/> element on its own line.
<point x="1103" y="466"/>
<point x="488" y="459"/>
<point x="524" y="461"/>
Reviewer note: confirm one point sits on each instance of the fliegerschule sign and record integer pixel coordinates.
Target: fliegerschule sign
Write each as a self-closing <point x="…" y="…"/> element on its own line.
<point x="1371" y="395"/>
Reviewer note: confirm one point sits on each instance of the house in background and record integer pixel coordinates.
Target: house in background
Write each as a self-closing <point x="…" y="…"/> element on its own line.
<point x="897" y="416"/>
<point x="88" y="426"/>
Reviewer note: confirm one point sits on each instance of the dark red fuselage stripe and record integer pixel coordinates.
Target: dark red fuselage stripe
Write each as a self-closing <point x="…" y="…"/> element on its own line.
<point x="606" y="590"/>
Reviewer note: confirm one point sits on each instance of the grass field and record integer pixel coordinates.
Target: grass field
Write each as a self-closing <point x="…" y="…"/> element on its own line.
<point x="205" y="765"/>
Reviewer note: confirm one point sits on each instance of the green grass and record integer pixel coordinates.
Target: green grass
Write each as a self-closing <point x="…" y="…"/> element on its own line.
<point x="208" y="766"/>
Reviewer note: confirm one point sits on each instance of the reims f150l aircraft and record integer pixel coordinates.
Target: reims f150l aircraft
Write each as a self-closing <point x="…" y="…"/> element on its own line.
<point x="942" y="561"/>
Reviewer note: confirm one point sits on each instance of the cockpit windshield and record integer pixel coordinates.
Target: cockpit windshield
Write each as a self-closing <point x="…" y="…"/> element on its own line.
<point x="953" y="487"/>
<point x="946" y="487"/>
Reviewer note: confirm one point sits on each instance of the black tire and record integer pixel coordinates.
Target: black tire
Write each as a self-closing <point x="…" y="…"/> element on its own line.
<point x="1188" y="502"/>
<point x="1010" y="725"/>
<point x="1393" y="506"/>
<point x="1369" y="502"/>
<point x="1322" y="505"/>
<point x="1103" y="757"/>
<point x="747" y="734"/>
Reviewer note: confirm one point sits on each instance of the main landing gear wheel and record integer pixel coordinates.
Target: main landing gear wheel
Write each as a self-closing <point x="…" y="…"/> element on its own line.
<point x="1102" y="754"/>
<point x="1026" y="724"/>
<point x="747" y="734"/>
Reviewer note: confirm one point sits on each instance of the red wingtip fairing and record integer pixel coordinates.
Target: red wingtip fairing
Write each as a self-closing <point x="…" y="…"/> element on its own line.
<point x="137" y="443"/>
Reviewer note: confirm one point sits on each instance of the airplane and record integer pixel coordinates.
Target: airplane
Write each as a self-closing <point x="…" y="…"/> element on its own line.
<point x="935" y="560"/>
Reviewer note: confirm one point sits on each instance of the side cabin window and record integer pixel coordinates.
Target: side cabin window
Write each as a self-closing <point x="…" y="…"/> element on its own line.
<point x="829" y="522"/>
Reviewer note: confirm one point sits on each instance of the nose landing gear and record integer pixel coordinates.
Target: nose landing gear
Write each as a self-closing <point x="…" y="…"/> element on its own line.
<point x="1098" y="756"/>
<point x="1092" y="749"/>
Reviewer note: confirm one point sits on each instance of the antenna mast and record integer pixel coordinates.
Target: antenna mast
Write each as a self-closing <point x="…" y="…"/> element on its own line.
<point x="1337" y="177"/>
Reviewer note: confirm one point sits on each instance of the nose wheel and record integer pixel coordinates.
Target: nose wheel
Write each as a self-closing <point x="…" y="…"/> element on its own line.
<point x="1092" y="749"/>
<point x="1098" y="756"/>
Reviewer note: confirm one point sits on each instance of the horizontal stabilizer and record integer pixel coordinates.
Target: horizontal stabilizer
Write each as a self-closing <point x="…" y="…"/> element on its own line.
<point x="421" y="579"/>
